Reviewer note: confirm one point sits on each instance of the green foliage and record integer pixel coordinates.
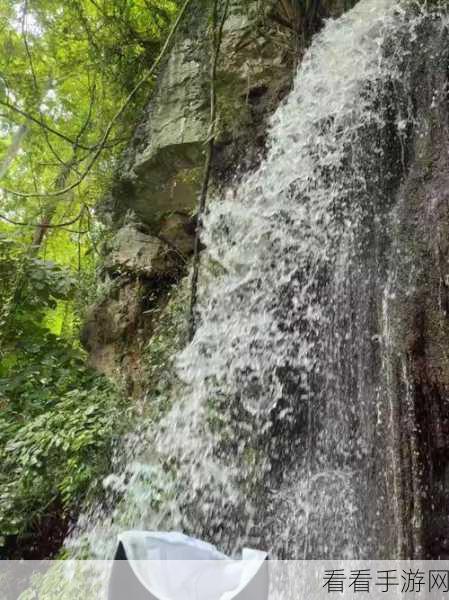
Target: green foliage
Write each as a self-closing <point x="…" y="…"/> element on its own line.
<point x="55" y="440"/>
<point x="68" y="581"/>
<point x="58" y="419"/>
<point x="29" y="287"/>
<point x="65" y="69"/>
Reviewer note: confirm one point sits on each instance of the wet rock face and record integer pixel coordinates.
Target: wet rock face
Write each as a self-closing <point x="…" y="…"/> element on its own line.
<point x="429" y="327"/>
<point x="419" y="264"/>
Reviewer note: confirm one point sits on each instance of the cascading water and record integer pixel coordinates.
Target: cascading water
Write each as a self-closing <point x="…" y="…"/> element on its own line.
<point x="283" y="434"/>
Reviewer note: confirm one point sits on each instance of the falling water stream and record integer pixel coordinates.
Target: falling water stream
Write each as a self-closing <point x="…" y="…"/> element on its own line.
<point x="283" y="435"/>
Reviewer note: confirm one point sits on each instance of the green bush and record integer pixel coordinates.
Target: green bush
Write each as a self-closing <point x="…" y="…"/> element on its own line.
<point x="58" y="419"/>
<point x="58" y="422"/>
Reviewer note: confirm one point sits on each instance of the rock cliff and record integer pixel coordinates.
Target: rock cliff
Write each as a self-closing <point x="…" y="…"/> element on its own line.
<point x="152" y="205"/>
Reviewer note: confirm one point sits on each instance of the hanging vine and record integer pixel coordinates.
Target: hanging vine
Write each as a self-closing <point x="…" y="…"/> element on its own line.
<point x="217" y="36"/>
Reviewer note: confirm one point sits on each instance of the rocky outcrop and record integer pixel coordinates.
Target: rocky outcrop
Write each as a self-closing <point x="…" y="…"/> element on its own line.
<point x="138" y="270"/>
<point x="161" y="169"/>
<point x="155" y="191"/>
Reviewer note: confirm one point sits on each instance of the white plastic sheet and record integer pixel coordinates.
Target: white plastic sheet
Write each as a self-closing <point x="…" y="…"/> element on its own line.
<point x="173" y="566"/>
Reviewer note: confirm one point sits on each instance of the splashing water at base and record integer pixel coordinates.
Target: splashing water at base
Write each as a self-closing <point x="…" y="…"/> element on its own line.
<point x="278" y="438"/>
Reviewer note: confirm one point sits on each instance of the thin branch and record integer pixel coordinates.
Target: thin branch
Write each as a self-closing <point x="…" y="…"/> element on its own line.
<point x="50" y="209"/>
<point x="172" y="246"/>
<point x="112" y="122"/>
<point x="283" y="22"/>
<point x="49" y="226"/>
<point x="44" y="125"/>
<point x="52" y="130"/>
<point x="27" y="48"/>
<point x="35" y="83"/>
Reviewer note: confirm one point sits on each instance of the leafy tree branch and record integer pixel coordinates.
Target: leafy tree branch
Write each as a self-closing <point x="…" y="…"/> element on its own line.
<point x="101" y="145"/>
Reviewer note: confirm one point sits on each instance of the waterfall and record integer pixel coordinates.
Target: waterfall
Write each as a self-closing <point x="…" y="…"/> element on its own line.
<point x="283" y="434"/>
